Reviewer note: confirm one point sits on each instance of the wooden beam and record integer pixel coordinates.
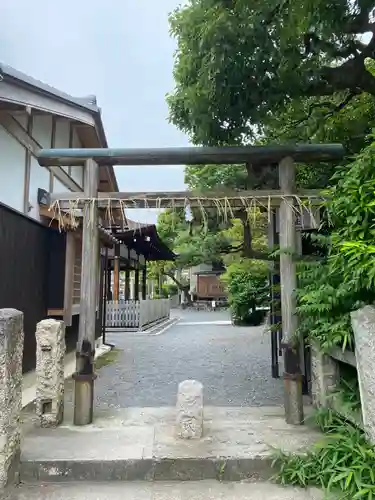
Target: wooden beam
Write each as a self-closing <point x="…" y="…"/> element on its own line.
<point x="15" y="129"/>
<point x="180" y="199"/>
<point x="261" y="155"/>
<point x="288" y="281"/>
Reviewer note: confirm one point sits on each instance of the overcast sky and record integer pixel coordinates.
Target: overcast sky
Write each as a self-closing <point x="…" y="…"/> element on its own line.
<point x="119" y="50"/>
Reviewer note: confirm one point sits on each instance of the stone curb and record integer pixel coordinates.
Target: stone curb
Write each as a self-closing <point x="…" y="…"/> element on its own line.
<point x="153" y="469"/>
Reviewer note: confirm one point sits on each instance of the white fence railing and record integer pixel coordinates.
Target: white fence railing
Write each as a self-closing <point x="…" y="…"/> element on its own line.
<point x="136" y="314"/>
<point x="153" y="310"/>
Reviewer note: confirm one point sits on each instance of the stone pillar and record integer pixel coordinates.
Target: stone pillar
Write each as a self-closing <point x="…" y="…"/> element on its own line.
<point x="50" y="354"/>
<point x="11" y="351"/>
<point x="324" y="377"/>
<point x="363" y="323"/>
<point x="189" y="418"/>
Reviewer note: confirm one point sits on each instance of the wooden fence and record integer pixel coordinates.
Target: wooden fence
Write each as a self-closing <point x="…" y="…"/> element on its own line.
<point x="136" y="314"/>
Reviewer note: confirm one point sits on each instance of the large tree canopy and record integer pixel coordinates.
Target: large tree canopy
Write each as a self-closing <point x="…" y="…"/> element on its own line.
<point x="241" y="62"/>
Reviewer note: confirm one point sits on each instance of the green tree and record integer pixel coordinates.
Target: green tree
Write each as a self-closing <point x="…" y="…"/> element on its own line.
<point x="240" y="62"/>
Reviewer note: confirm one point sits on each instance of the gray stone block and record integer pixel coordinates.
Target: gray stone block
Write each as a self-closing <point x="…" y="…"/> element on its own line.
<point x="324" y="377"/>
<point x="363" y="323"/>
<point x="11" y="352"/>
<point x="50" y="355"/>
<point x="189" y="418"/>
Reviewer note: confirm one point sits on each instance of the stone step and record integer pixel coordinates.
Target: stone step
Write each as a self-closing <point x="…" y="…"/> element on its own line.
<point x="148" y="469"/>
<point x="202" y="490"/>
<point x="141" y="444"/>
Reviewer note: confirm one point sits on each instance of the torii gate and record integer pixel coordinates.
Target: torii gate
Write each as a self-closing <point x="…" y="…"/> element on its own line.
<point x="286" y="198"/>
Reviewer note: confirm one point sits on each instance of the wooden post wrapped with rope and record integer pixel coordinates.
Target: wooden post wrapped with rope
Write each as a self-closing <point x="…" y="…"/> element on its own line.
<point x="288" y="278"/>
<point x="85" y="376"/>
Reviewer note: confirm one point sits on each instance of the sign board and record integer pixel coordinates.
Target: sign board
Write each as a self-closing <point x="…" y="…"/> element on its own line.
<point x="308" y="219"/>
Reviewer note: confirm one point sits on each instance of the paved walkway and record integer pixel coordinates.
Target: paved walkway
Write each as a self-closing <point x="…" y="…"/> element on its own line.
<point x="233" y="363"/>
<point x="202" y="490"/>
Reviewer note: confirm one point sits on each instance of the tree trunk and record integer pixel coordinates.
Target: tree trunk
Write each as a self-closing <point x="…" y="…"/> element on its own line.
<point x="181" y="287"/>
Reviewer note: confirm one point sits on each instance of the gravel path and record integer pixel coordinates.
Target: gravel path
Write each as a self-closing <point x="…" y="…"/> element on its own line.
<point x="233" y="363"/>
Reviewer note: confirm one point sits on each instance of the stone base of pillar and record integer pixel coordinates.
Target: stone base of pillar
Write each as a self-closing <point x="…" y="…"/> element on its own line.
<point x="83" y="399"/>
<point x="293" y="401"/>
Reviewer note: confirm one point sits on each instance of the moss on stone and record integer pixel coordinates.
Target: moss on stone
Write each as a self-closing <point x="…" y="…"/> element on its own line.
<point x="107" y="359"/>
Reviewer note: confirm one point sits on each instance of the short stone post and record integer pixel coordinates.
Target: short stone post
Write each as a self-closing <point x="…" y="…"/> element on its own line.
<point x="363" y="324"/>
<point x="324" y="377"/>
<point x="189" y="418"/>
<point x="11" y="352"/>
<point x="50" y="354"/>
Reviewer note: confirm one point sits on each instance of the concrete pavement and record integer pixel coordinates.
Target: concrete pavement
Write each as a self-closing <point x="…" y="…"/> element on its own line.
<point x="202" y="490"/>
<point x="141" y="444"/>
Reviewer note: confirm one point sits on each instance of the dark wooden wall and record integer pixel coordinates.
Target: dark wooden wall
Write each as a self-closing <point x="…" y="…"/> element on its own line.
<point x="32" y="273"/>
<point x="24" y="272"/>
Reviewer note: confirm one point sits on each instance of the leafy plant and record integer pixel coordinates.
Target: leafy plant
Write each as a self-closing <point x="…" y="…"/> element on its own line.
<point x="345" y="279"/>
<point x="342" y="462"/>
<point x="248" y="289"/>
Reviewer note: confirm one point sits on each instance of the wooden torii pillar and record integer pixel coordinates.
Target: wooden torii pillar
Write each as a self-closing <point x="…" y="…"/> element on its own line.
<point x="288" y="281"/>
<point x="84" y="376"/>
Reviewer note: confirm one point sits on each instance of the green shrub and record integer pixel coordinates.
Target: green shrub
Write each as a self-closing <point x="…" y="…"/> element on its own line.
<point x="169" y="289"/>
<point x="248" y="287"/>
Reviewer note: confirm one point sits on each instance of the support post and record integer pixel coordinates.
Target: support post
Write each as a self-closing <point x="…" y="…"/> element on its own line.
<point x="109" y="281"/>
<point x="116" y="274"/>
<point x="85" y="376"/>
<point x="288" y="277"/>
<point x="127" y="284"/>
<point x="273" y="269"/>
<point x="136" y="284"/>
<point x="69" y="277"/>
<point x="105" y="295"/>
<point x="144" y="283"/>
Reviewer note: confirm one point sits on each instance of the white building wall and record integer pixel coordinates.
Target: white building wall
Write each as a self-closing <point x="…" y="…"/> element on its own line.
<point x="12" y="163"/>
<point x="62" y="136"/>
<point x="42" y="130"/>
<point x="77" y="172"/>
<point x="12" y="171"/>
<point x="39" y="178"/>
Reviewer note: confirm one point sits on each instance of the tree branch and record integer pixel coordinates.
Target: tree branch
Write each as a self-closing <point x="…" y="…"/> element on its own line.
<point x="178" y="283"/>
<point x="335" y="108"/>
